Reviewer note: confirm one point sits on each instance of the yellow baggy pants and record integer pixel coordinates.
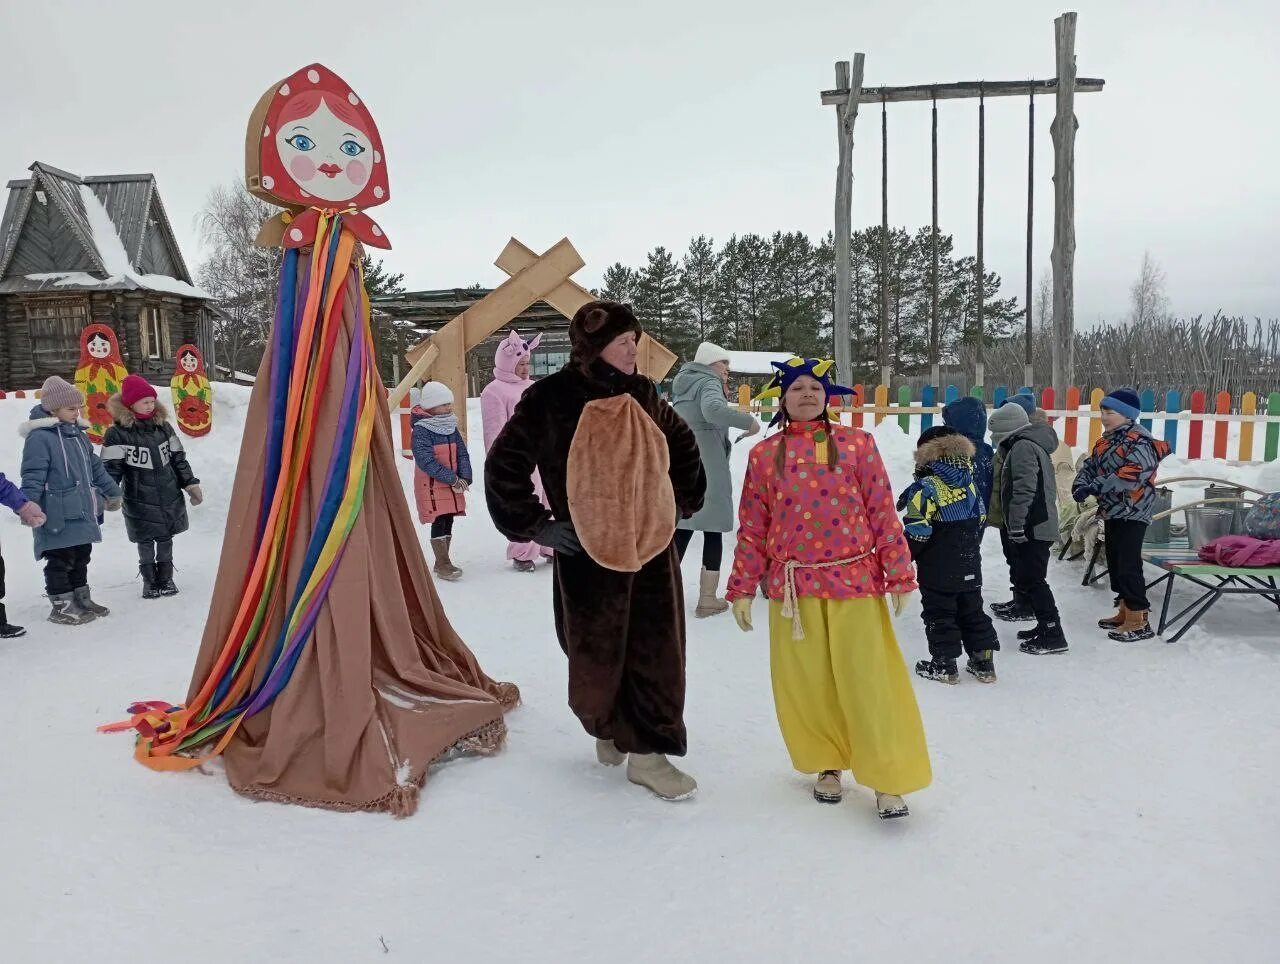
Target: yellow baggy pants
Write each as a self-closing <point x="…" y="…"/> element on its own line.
<point x="844" y="697"/>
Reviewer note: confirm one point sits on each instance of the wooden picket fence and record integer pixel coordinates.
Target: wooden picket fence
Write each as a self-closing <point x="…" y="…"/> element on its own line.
<point x="1084" y="428"/>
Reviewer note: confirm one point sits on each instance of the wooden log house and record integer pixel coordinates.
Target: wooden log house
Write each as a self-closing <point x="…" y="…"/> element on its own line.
<point x="78" y="250"/>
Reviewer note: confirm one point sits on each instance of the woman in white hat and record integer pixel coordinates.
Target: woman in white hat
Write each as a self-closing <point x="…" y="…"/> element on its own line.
<point x="700" y="397"/>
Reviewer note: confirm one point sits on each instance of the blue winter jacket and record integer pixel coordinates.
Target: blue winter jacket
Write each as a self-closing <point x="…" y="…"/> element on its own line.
<point x="424" y="454"/>
<point x="61" y="474"/>
<point x="968" y="416"/>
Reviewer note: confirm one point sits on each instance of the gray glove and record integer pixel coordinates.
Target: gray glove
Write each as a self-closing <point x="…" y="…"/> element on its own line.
<point x="559" y="537"/>
<point x="114" y="503"/>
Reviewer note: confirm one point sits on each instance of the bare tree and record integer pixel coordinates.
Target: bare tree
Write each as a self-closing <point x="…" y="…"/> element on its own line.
<point x="1042" y="306"/>
<point x="242" y="277"/>
<point x="1147" y="299"/>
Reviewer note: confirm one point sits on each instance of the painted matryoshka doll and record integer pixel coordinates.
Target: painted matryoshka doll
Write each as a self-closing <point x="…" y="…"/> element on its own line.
<point x="99" y="375"/>
<point x="192" y="394"/>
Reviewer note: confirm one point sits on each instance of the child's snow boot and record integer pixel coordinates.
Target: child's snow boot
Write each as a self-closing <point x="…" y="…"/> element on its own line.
<point x="85" y="600"/>
<point x="150" y="588"/>
<point x="656" y="773"/>
<point x="709" y="604"/>
<point x="164" y="579"/>
<point x="67" y="612"/>
<point x="982" y="666"/>
<point x="890" y="806"/>
<point x="1134" y="629"/>
<point x="1116" y="621"/>
<point x="444" y="567"/>
<point x="1014" y="611"/>
<point x="941" y="670"/>
<point x="608" y="754"/>
<point x="827" y="788"/>
<point x="7" y="629"/>
<point x="525" y="565"/>
<point x="1047" y="640"/>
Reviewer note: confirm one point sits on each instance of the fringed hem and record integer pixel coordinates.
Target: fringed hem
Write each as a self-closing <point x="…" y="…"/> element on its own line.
<point x="402" y="800"/>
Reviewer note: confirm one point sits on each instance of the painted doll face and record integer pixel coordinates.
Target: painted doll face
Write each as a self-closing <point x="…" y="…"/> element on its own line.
<point x="326" y="156"/>
<point x="189" y="363"/>
<point x="99" y="347"/>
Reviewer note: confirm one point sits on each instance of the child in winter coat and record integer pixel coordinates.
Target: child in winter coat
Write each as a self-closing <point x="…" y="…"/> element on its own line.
<point x="1005" y="420"/>
<point x="818" y="528"/>
<point x="11" y="498"/>
<point x="1027" y="503"/>
<point x="497" y="405"/>
<point x="63" y="476"/>
<point x="968" y="416"/>
<point x="443" y="471"/>
<point x="944" y="526"/>
<point x="1120" y="473"/>
<point x="143" y="453"/>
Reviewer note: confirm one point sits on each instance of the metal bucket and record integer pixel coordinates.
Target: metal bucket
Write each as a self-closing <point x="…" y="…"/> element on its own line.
<point x="1238" y="512"/>
<point x="1159" y="532"/>
<point x="1205" y="523"/>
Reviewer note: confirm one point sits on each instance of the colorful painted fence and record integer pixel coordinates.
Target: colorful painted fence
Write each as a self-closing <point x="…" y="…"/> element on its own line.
<point x="1209" y="421"/>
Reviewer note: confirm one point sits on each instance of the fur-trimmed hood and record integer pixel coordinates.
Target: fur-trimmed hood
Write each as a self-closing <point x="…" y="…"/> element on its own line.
<point x="41" y="418"/>
<point x="125" y="418"/>
<point x="944" y="447"/>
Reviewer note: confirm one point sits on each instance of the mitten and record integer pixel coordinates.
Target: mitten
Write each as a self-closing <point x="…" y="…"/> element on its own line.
<point x="31" y="515"/>
<point x="195" y="494"/>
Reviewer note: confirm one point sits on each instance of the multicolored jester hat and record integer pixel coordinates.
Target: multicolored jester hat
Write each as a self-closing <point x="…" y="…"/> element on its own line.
<point x="99" y="375"/>
<point x="787" y="372"/>
<point x="319" y="155"/>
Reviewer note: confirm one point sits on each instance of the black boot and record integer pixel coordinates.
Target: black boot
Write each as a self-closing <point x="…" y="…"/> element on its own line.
<point x="941" y="670"/>
<point x="1014" y="611"/>
<point x="150" y="587"/>
<point x="164" y="579"/>
<point x="84" y="597"/>
<point x="7" y="629"/>
<point x="1048" y="640"/>
<point x="982" y="666"/>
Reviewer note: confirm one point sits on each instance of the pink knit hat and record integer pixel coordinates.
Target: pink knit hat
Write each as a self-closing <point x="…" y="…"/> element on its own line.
<point x="134" y="389"/>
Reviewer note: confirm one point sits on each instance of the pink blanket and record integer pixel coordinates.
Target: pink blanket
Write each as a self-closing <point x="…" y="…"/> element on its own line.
<point x="1242" y="551"/>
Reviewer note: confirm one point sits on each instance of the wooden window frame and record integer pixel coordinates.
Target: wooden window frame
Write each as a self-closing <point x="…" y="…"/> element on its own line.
<point x="72" y="311"/>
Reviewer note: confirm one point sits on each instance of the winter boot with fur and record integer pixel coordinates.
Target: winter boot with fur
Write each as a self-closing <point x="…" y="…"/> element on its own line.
<point x="709" y="604"/>
<point x="940" y="670"/>
<point x="150" y="587"/>
<point x="982" y="666"/>
<point x="84" y="599"/>
<point x="7" y="629"/>
<point x="1116" y="621"/>
<point x="67" y="612"/>
<point x="608" y="754"/>
<point x="164" y="579"/>
<point x="655" y="772"/>
<point x="827" y="788"/>
<point x="444" y="567"/>
<point x="1134" y="629"/>
<point x="890" y="806"/>
<point x="1047" y="639"/>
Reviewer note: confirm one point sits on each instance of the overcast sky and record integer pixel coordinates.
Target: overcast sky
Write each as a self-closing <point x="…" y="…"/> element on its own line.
<point x="625" y="126"/>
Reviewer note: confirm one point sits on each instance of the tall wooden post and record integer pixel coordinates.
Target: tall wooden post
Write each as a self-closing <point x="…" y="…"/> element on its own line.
<point x="980" y="366"/>
<point x="885" y="368"/>
<point x="846" y="114"/>
<point x="1063" y="131"/>
<point x="1028" y="368"/>
<point x="935" y="339"/>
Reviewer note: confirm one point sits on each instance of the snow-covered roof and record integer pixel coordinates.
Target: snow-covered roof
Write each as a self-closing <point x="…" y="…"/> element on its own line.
<point x="755" y="362"/>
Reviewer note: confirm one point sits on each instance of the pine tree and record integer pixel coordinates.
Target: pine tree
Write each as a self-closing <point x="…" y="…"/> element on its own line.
<point x="659" y="301"/>
<point x="620" y="283"/>
<point x="699" y="280"/>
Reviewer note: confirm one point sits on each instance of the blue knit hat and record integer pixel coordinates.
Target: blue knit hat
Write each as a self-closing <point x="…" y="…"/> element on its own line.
<point x="1025" y="399"/>
<point x="1125" y="402"/>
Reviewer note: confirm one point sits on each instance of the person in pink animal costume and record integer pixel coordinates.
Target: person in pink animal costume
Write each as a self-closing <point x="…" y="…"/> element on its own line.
<point x="497" y="402"/>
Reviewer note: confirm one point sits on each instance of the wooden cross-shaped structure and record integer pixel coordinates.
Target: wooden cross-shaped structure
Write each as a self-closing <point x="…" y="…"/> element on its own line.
<point x="532" y="277"/>
<point x="849" y="95"/>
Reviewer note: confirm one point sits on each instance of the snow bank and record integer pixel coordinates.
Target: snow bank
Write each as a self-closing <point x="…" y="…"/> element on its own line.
<point x="1133" y="784"/>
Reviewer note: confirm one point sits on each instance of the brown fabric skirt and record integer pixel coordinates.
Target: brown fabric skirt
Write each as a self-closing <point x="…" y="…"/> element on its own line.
<point x="385" y="687"/>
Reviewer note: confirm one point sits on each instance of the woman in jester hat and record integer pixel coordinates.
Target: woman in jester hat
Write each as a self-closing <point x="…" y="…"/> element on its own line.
<point x="99" y="375"/>
<point x="192" y="395"/>
<point x="329" y="674"/>
<point x="817" y="526"/>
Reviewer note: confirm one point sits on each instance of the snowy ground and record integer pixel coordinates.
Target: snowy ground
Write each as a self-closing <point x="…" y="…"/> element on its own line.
<point x="1115" y="804"/>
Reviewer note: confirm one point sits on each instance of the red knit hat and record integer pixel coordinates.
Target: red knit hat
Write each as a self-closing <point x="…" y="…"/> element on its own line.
<point x="134" y="389"/>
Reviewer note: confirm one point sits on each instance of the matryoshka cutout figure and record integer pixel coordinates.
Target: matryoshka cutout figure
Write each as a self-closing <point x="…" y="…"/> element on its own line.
<point x="192" y="394"/>
<point x="99" y="375"/>
<point x="313" y="146"/>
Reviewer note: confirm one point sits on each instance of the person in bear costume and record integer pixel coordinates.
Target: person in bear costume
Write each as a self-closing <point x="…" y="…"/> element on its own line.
<point x="618" y="467"/>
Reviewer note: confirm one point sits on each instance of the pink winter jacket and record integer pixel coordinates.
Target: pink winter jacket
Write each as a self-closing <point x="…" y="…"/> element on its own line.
<point x="498" y="401"/>
<point x="815" y="515"/>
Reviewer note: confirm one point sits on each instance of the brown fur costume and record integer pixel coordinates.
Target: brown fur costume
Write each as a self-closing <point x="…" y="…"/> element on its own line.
<point x="623" y="632"/>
